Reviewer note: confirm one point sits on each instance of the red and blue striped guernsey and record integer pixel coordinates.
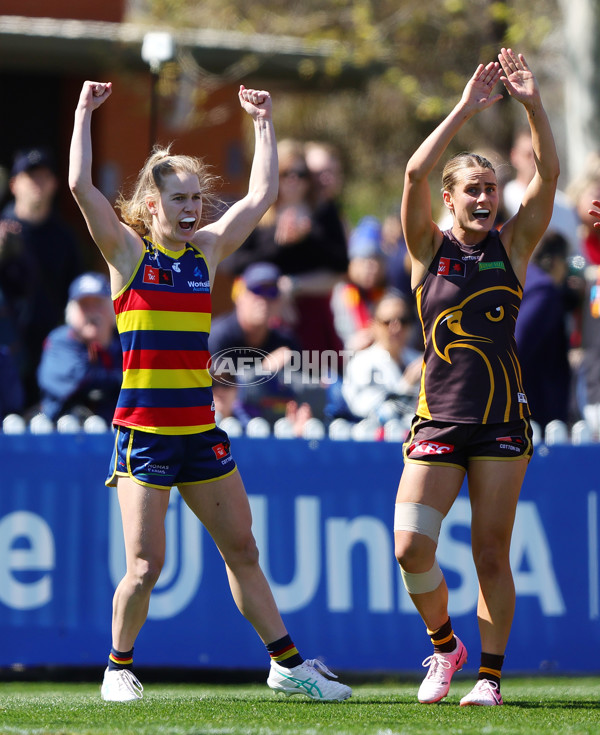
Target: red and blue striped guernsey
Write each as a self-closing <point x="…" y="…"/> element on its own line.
<point x="163" y="319"/>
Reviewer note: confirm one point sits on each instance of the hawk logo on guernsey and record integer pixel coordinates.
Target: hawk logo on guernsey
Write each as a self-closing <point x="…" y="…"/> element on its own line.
<point x="158" y="276"/>
<point x="450" y="267"/>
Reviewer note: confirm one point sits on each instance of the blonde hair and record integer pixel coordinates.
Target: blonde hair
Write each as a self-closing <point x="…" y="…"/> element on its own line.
<point x="290" y="152"/>
<point x="458" y="163"/>
<point x="151" y="180"/>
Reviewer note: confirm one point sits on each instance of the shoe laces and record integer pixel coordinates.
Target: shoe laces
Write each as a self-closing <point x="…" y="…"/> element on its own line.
<point x="320" y="667"/>
<point x="483" y="683"/>
<point x="128" y="680"/>
<point x="436" y="662"/>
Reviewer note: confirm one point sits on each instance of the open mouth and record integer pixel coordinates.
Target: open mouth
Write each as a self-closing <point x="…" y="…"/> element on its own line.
<point x="481" y="214"/>
<point x="187" y="223"/>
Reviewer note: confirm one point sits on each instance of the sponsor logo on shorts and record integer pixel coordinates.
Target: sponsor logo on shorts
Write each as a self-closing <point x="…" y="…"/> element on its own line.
<point x="429" y="447"/>
<point x="451" y="267"/>
<point x="221" y="450"/>
<point x="157" y="469"/>
<point x="511" y="443"/>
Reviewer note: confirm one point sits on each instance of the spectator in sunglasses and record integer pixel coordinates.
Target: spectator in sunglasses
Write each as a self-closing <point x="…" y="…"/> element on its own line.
<point x="296" y="240"/>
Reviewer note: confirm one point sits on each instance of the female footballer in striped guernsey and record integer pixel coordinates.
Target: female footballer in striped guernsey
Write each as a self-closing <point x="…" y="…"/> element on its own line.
<point x="472" y="416"/>
<point x="162" y="262"/>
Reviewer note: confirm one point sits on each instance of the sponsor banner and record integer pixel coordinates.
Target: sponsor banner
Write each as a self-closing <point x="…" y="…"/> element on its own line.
<point x="323" y="519"/>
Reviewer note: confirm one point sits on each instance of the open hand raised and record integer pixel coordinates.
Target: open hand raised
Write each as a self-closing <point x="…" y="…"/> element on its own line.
<point x="518" y="77"/>
<point x="478" y="92"/>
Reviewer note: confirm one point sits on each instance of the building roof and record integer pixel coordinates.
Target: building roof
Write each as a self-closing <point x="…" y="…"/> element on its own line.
<point x="53" y="46"/>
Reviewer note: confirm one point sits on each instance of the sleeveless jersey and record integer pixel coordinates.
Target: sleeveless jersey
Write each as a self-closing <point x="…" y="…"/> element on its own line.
<point x="468" y="303"/>
<point x="163" y="319"/>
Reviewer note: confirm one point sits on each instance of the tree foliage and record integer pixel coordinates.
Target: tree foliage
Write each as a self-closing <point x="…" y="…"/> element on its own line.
<point x="419" y="54"/>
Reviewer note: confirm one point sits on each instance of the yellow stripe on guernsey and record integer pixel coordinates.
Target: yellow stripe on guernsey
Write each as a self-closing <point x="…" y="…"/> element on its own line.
<point x="141" y="378"/>
<point x="422" y="408"/>
<point x="171" y="321"/>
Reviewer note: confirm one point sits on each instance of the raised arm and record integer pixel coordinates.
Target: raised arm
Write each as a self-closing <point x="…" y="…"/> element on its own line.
<point x="119" y="245"/>
<point x="421" y="233"/>
<point x="523" y="232"/>
<point x="221" y="238"/>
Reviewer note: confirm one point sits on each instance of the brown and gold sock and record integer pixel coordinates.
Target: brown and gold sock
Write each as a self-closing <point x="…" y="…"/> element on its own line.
<point x="443" y="638"/>
<point x="491" y="667"/>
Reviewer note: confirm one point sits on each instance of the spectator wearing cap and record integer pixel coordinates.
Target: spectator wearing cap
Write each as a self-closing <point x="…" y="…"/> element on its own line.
<point x="250" y="343"/>
<point x="354" y="301"/>
<point x="39" y="257"/>
<point x="81" y="366"/>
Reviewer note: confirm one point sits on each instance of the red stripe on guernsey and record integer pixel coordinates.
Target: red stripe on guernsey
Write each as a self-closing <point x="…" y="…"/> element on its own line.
<point x="166" y="360"/>
<point x="140" y="416"/>
<point x="157" y="300"/>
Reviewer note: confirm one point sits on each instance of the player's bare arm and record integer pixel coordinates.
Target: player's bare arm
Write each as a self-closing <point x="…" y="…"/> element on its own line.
<point x="523" y="232"/>
<point x="223" y="237"/>
<point x="423" y="237"/>
<point x="118" y="243"/>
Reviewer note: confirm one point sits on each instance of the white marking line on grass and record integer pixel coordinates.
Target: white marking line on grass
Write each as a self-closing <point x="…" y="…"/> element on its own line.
<point x="593" y="555"/>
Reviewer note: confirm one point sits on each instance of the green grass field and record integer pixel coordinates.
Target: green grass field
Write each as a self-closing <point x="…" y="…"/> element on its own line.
<point x="533" y="705"/>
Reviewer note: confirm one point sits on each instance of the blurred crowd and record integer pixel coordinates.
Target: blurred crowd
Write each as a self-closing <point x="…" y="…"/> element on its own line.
<point x="323" y="323"/>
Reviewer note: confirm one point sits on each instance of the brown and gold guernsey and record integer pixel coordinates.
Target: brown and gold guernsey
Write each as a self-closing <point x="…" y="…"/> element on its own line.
<point x="468" y="305"/>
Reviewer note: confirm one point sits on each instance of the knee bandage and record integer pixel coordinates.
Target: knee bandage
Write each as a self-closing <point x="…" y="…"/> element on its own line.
<point x="417" y="584"/>
<point x="423" y="519"/>
<point x="418" y="518"/>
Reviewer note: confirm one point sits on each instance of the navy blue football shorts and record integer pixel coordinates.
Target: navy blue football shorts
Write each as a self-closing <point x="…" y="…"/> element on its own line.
<point x="439" y="443"/>
<point x="167" y="460"/>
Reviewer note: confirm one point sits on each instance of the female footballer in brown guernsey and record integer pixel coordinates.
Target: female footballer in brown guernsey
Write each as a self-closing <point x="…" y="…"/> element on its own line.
<point x="472" y="416"/>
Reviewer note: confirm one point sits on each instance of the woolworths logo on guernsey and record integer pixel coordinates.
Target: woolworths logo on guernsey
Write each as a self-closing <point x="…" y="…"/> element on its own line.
<point x="253" y="366"/>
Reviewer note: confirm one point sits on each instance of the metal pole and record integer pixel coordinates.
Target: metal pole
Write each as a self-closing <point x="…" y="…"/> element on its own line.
<point x="153" y="107"/>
